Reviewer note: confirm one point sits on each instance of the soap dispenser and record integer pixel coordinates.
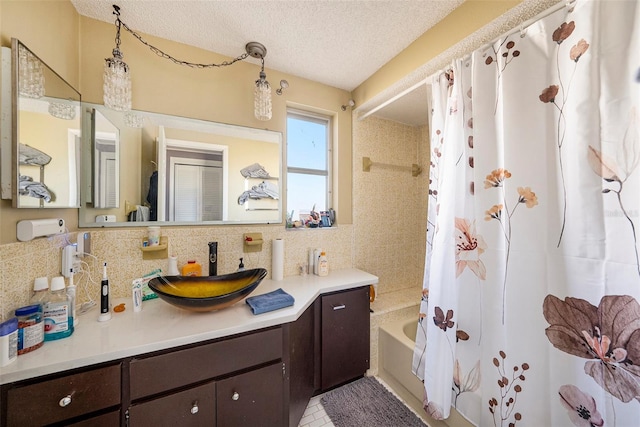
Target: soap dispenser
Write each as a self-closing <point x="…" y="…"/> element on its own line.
<point x="241" y="266"/>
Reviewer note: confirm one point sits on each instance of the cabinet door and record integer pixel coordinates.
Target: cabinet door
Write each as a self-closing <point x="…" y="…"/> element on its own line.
<point x="301" y="364"/>
<point x="252" y="399"/>
<point x="193" y="407"/>
<point x="345" y="336"/>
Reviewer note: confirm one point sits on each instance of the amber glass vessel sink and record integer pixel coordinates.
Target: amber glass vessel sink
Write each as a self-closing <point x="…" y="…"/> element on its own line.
<point x="207" y="293"/>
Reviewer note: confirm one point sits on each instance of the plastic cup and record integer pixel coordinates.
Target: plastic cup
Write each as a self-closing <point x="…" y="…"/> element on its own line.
<point x="153" y="236"/>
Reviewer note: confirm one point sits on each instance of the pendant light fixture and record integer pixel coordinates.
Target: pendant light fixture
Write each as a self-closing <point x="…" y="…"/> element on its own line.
<point x="31" y="80"/>
<point x="117" y="79"/>
<point x="262" y="90"/>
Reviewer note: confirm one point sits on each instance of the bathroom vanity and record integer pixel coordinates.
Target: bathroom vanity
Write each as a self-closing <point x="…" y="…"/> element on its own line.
<point x="166" y="366"/>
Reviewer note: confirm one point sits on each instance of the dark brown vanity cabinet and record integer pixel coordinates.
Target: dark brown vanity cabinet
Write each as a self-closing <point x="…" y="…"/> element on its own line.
<point x="260" y="378"/>
<point x="243" y="377"/>
<point x="344" y="336"/>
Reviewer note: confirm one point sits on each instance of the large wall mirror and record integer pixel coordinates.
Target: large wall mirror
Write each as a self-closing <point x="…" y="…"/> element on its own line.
<point x="148" y="168"/>
<point x="45" y="137"/>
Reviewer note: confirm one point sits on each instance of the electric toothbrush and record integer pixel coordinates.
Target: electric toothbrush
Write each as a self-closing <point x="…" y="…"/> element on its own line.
<point x="105" y="314"/>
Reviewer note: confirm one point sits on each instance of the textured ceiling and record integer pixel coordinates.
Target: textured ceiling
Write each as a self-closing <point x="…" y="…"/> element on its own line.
<point x="336" y="42"/>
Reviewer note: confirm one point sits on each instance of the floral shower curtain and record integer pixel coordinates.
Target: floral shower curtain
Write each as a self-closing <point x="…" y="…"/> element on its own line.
<point x="530" y="312"/>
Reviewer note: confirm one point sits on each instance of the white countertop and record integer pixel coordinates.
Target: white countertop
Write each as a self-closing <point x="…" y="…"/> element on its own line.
<point x="160" y="326"/>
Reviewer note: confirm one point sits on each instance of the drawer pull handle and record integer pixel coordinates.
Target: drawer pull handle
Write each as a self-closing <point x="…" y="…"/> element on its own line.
<point x="339" y="307"/>
<point x="65" y="401"/>
<point x="194" y="408"/>
<point x="235" y="395"/>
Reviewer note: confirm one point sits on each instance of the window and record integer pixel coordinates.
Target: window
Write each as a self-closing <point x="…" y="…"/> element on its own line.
<point x="308" y="162"/>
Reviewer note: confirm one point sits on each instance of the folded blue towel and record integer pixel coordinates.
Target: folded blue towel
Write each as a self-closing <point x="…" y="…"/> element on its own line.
<point x="270" y="301"/>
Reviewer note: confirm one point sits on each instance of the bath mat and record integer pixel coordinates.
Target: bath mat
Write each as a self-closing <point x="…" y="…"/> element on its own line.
<point x="366" y="402"/>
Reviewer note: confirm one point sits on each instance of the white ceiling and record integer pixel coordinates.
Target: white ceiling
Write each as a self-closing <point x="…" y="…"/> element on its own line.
<point x="340" y="43"/>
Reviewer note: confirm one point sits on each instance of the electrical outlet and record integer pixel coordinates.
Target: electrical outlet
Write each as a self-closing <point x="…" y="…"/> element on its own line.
<point x="84" y="244"/>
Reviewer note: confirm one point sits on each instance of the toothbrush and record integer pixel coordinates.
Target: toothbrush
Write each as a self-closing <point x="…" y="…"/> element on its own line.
<point x="105" y="314"/>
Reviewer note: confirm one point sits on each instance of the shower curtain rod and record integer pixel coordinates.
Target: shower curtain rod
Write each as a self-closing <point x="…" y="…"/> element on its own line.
<point x="521" y="28"/>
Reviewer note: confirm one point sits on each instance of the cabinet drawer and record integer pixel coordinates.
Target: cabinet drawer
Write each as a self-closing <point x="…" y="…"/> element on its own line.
<point x="164" y="372"/>
<point x="193" y="407"/>
<point x="254" y="398"/>
<point x="44" y="402"/>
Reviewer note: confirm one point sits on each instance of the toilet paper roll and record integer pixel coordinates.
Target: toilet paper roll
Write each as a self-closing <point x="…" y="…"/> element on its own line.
<point x="277" y="260"/>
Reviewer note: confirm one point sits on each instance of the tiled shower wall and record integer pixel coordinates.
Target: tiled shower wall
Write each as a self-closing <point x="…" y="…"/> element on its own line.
<point x="389" y="204"/>
<point x="21" y="263"/>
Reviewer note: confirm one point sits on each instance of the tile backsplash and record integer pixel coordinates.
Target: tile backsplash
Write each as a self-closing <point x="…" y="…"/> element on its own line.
<point x="22" y="262"/>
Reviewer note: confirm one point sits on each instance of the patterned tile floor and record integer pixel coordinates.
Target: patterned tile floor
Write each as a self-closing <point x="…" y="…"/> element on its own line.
<point x="315" y="415"/>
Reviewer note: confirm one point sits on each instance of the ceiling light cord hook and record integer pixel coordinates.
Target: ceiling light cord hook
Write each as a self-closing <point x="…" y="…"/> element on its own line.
<point x="116" y="11"/>
<point x="263" y="76"/>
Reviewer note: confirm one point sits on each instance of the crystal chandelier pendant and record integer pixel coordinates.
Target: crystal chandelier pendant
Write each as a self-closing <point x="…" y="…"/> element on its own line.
<point x="62" y="110"/>
<point x="133" y="120"/>
<point x="117" y="83"/>
<point x="262" y="98"/>
<point x="31" y="79"/>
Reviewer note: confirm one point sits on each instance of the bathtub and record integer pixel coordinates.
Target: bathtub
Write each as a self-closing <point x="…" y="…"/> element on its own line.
<point x="395" y="355"/>
<point x="396" y="341"/>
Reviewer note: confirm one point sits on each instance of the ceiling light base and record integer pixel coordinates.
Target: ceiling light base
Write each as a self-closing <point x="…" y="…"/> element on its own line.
<point x="256" y="50"/>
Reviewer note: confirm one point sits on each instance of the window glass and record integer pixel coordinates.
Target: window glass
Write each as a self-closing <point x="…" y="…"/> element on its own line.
<point x="308" y="163"/>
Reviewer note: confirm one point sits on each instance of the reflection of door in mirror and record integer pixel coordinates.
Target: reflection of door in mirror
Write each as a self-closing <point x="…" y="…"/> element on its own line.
<point x="192" y="175"/>
<point x="106" y="159"/>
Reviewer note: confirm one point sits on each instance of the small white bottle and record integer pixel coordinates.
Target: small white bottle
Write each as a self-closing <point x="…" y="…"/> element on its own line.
<point x="316" y="260"/>
<point x="40" y="291"/>
<point x="323" y="265"/>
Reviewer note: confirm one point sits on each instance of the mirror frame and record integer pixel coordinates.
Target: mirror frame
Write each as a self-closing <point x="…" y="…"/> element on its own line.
<point x="74" y="97"/>
<point x="85" y="218"/>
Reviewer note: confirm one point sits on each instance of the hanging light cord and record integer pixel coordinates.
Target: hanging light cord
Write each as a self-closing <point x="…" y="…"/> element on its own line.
<point x="160" y="53"/>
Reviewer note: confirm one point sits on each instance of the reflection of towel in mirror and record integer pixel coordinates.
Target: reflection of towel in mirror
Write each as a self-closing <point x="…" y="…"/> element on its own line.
<point x="152" y="196"/>
<point x="263" y="190"/>
<point x="140" y="214"/>
<point x="31" y="156"/>
<point x="28" y="187"/>
<point x="254" y="171"/>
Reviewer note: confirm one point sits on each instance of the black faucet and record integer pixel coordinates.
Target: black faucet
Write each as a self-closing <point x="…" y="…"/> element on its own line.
<point x="213" y="258"/>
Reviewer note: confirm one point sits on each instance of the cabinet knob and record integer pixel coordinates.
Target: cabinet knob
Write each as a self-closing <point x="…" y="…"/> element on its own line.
<point x="339" y="307"/>
<point x="194" y="408"/>
<point x="235" y="395"/>
<point x="65" y="401"/>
